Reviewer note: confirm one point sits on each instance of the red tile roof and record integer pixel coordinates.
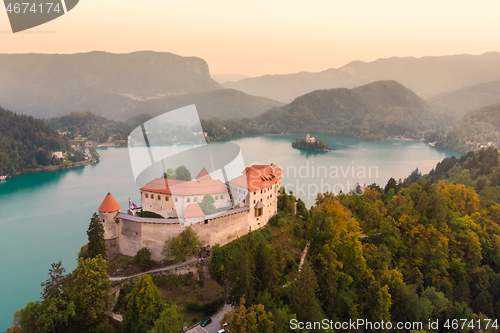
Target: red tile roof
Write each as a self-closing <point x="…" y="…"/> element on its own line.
<point x="193" y="210"/>
<point x="203" y="175"/>
<point x="181" y="187"/>
<point x="257" y="177"/>
<point x="109" y="204"/>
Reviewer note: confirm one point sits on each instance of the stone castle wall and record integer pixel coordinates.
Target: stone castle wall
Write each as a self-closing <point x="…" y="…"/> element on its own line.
<point x="133" y="233"/>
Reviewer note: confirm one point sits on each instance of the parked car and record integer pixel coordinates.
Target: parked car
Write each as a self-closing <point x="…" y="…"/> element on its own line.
<point x="222" y="330"/>
<point x="206" y="321"/>
<point x="226" y="324"/>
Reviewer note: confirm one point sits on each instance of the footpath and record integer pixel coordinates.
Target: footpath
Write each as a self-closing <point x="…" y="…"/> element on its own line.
<point x="163" y="269"/>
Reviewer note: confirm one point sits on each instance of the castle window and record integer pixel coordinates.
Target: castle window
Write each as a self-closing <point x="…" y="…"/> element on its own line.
<point x="254" y="192"/>
<point x="196" y="199"/>
<point x="159" y="197"/>
<point x="260" y="199"/>
<point x="147" y="196"/>
<point x="254" y="201"/>
<point x="175" y="199"/>
<point x="188" y="200"/>
<point x="152" y="196"/>
<point x="260" y="191"/>
<point x="166" y="198"/>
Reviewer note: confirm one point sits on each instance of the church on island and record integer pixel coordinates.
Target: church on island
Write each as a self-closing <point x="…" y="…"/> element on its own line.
<point x="244" y="203"/>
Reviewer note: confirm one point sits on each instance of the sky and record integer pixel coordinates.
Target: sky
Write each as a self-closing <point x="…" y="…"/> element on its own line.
<point x="268" y="37"/>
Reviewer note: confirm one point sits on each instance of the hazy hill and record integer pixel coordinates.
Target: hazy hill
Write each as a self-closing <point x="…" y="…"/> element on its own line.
<point x="47" y="85"/>
<point x="223" y="104"/>
<point x="374" y="111"/>
<point x="477" y="128"/>
<point x="426" y="76"/>
<point x="458" y="102"/>
<point x="223" y="78"/>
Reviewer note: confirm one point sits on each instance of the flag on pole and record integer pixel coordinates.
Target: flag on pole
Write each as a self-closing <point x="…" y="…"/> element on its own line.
<point x="131" y="204"/>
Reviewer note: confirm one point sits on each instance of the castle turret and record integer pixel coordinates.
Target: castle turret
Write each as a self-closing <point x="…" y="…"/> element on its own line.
<point x="107" y="213"/>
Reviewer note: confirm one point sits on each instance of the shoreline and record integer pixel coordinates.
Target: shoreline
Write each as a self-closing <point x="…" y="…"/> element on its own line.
<point x="51" y="168"/>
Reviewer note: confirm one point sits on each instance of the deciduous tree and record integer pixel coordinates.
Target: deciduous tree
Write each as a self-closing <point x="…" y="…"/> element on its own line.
<point x="88" y="289"/>
<point x="182" y="246"/>
<point x="207" y="205"/>
<point x="255" y="319"/>
<point x="144" y="307"/>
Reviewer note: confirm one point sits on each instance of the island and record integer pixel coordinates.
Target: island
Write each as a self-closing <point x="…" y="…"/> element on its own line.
<point x="310" y="143"/>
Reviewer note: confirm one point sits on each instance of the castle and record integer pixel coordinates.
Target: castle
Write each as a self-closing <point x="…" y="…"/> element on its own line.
<point x="244" y="203"/>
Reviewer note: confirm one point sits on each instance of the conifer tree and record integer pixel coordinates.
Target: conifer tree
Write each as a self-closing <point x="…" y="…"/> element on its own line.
<point x="303" y="300"/>
<point x="53" y="287"/>
<point x="95" y="233"/>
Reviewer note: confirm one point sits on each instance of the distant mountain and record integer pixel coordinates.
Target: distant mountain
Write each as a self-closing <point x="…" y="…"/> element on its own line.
<point x="47" y="85"/>
<point x="458" y="102"/>
<point x="223" y="78"/>
<point x="374" y="111"/>
<point x="223" y="104"/>
<point x="477" y="129"/>
<point x="426" y="76"/>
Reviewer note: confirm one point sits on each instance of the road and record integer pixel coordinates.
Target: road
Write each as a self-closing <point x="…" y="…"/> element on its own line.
<point x="214" y="326"/>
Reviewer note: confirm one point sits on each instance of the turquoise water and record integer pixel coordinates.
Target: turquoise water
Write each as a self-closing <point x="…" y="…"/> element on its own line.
<point x="44" y="216"/>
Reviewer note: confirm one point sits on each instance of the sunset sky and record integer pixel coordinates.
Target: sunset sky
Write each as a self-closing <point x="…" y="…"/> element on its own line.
<point x="268" y="37"/>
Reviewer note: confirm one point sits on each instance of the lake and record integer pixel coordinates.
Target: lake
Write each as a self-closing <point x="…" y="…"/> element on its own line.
<point x="45" y="216"/>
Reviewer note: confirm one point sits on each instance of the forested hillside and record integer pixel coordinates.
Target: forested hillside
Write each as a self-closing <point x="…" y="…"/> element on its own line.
<point x="458" y="102"/>
<point x="94" y="127"/>
<point x="429" y="250"/>
<point x="26" y="143"/>
<point x="374" y="111"/>
<point x="476" y="129"/>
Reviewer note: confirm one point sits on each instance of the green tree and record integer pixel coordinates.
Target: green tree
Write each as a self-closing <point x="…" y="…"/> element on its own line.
<point x="182" y="173"/>
<point x="170" y="321"/>
<point x="142" y="258"/>
<point x="242" y="273"/>
<point x="378" y="302"/>
<point x="144" y="307"/>
<point x="53" y="287"/>
<point x="303" y="300"/>
<point x="255" y="319"/>
<point x="49" y="316"/>
<point x="207" y="205"/>
<point x="88" y="289"/>
<point x="95" y="233"/>
<point x="182" y="246"/>
<point x="270" y="269"/>
<point x="170" y="174"/>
